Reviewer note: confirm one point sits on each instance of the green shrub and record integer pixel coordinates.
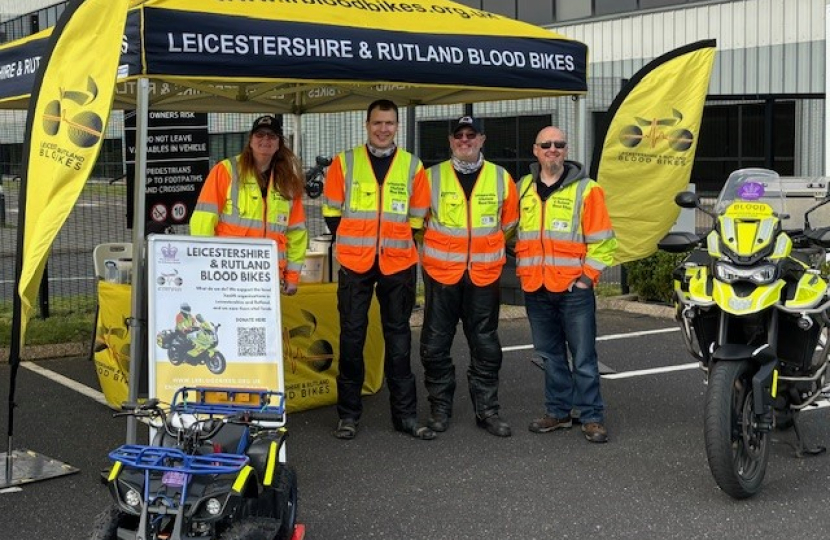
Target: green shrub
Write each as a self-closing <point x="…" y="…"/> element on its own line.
<point x="651" y="278"/>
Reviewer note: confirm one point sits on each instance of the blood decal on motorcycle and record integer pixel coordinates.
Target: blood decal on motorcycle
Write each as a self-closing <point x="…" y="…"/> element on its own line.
<point x="751" y="191"/>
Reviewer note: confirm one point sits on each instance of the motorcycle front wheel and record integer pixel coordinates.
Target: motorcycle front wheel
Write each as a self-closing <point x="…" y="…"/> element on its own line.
<point x="216" y="363"/>
<point x="736" y="451"/>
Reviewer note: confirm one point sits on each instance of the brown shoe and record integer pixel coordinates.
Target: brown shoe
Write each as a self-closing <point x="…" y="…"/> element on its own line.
<point x="595" y="432"/>
<point x="549" y="423"/>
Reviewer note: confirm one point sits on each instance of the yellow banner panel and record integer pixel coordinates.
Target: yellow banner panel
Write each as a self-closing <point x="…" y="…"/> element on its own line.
<point x="65" y="127"/>
<point x="649" y="149"/>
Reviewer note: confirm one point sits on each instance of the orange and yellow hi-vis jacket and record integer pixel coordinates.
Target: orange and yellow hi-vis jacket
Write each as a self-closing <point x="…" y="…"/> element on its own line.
<point x="232" y="206"/>
<point x="566" y="237"/>
<point x="376" y="220"/>
<point x="468" y="235"/>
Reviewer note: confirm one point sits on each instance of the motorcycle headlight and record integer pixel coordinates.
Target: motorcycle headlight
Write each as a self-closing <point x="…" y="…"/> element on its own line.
<point x="760" y="275"/>
<point x="132" y="498"/>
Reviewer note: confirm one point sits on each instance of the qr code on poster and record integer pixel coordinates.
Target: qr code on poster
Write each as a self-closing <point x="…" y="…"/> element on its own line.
<point x="250" y="340"/>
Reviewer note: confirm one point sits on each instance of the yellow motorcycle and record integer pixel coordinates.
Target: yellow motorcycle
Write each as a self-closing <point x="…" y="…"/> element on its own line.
<point x="752" y="305"/>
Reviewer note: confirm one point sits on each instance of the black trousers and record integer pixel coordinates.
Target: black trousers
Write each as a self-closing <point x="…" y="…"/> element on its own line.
<point x="396" y="296"/>
<point x="478" y="309"/>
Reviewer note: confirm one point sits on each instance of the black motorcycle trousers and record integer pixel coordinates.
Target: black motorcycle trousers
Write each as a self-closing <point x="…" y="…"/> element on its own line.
<point x="478" y="309"/>
<point x="396" y="297"/>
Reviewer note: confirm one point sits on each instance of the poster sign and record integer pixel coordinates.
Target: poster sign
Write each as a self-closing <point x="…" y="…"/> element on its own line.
<point x="214" y="314"/>
<point x="178" y="161"/>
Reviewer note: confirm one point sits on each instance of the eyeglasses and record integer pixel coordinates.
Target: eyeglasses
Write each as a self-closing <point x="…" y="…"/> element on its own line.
<point x="547" y="144"/>
<point x="464" y="135"/>
<point x="271" y="136"/>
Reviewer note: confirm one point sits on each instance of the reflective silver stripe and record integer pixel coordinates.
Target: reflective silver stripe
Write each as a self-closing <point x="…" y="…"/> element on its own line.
<point x="435" y="188"/>
<point x="564" y="237"/>
<point x="484" y="231"/>
<point x="293" y="267"/>
<point x="500" y="186"/>
<point x="595" y="264"/>
<point x="418" y="211"/>
<point x="330" y="203"/>
<point x="528" y="261"/>
<point x="394" y="218"/>
<point x="507" y="226"/>
<point x="563" y="261"/>
<point x="599" y="236"/>
<point x="348" y="211"/>
<point x="529" y="235"/>
<point x="207" y="207"/>
<point x="402" y="244"/>
<point x="372" y="216"/>
<point x="413" y="170"/>
<point x="576" y="228"/>
<point x="276" y="228"/>
<point x="487" y="257"/>
<point x="297" y="227"/>
<point x="232" y="219"/>
<point x="359" y="241"/>
<point x="444" y="255"/>
<point x="449" y="231"/>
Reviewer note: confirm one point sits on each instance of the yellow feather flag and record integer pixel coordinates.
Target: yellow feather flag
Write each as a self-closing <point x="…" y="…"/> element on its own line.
<point x="647" y="153"/>
<point x="70" y="106"/>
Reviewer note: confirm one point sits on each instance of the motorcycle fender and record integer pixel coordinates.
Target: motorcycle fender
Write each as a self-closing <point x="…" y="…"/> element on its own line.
<point x="764" y="391"/>
<point x="809" y="292"/>
<point x="241" y="481"/>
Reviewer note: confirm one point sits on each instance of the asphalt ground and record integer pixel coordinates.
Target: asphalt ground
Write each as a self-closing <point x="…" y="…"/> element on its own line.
<point x="651" y="481"/>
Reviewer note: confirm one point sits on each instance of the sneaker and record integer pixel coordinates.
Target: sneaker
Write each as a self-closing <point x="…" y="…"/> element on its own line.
<point x="595" y="432"/>
<point x="549" y="423"/>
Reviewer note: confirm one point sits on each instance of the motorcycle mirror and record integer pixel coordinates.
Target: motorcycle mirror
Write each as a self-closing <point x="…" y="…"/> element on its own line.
<point x="323" y="161"/>
<point x="678" y="242"/>
<point x="687" y="199"/>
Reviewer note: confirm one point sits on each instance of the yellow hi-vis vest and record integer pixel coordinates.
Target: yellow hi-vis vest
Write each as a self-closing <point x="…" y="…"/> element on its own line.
<point x="461" y="234"/>
<point x="563" y="238"/>
<point x="375" y="219"/>
<point x="236" y="208"/>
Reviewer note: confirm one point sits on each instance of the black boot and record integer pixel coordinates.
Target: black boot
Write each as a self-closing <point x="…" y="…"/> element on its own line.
<point x="494" y="425"/>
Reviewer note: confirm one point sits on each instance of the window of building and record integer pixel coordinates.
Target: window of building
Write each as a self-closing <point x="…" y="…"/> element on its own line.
<point x="572" y="9"/>
<point x="605" y="7"/>
<point x="535" y="11"/>
<point x="509" y="141"/>
<point x="502" y="7"/>
<point x="735" y="137"/>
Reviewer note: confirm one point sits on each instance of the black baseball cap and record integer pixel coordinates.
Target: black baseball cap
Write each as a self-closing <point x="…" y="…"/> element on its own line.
<point x="271" y="123"/>
<point x="467" y="122"/>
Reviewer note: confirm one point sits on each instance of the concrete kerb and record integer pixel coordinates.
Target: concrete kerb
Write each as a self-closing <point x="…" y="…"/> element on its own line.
<point x="626" y="303"/>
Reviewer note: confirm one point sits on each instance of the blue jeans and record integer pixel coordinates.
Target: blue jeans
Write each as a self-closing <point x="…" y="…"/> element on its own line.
<point x="560" y="319"/>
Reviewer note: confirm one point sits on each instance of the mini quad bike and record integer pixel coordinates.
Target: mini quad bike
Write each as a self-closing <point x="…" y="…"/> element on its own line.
<point x="216" y="470"/>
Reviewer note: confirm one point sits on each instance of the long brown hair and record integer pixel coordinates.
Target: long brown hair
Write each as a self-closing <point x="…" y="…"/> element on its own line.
<point x="285" y="168"/>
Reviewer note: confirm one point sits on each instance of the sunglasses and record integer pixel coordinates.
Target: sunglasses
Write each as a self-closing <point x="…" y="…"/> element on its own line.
<point x="556" y="144"/>
<point x="465" y="135"/>
<point x="265" y="134"/>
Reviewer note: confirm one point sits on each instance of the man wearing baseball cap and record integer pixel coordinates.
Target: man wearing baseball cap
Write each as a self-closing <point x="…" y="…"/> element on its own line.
<point x="474" y="203"/>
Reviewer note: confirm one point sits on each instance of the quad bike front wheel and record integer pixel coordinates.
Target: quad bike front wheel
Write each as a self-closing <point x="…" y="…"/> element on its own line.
<point x="737" y="452"/>
<point x="287" y="501"/>
<point x="250" y="528"/>
<point x="105" y="526"/>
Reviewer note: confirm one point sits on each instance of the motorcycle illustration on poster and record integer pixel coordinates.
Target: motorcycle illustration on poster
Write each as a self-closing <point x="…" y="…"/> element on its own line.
<point x="214" y="314"/>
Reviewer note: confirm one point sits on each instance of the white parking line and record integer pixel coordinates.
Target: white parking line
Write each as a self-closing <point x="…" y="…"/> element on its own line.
<point x="66" y="381"/>
<point x="604" y="338"/>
